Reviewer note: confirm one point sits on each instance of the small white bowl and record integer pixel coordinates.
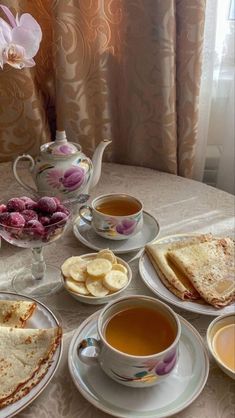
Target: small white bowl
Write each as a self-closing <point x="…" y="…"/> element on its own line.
<point x="214" y="326"/>
<point x="95" y="300"/>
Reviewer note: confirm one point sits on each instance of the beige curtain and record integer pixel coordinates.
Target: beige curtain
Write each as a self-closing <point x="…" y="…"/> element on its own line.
<point x="128" y="70"/>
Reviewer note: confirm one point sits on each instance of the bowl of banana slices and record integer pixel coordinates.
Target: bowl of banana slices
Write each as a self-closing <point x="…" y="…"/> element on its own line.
<point x="96" y="278"/>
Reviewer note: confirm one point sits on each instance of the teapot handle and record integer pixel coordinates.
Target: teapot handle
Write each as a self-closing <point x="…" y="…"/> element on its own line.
<point x="31" y="167"/>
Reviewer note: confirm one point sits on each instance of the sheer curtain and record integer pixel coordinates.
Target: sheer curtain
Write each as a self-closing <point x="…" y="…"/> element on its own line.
<point x="215" y="149"/>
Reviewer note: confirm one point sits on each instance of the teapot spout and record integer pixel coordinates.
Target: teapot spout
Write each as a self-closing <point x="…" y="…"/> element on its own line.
<point x="97" y="161"/>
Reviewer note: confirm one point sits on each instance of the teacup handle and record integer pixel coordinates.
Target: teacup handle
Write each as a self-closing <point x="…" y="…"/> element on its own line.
<point x="88" y="221"/>
<point x="31" y="168"/>
<point x="83" y="350"/>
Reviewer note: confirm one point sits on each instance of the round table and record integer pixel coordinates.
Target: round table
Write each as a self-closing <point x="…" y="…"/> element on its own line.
<point x="180" y="206"/>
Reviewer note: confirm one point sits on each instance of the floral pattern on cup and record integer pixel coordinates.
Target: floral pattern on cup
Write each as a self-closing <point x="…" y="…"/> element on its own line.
<point x="126" y="227"/>
<point x="152" y="370"/>
<point x="114" y="227"/>
<point x="167" y="364"/>
<point x="143" y="377"/>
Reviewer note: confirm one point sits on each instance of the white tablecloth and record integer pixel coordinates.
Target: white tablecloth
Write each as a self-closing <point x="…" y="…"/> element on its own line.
<point x="180" y="205"/>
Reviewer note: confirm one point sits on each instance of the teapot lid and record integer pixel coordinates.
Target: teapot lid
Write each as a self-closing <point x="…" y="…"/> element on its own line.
<point x="61" y="146"/>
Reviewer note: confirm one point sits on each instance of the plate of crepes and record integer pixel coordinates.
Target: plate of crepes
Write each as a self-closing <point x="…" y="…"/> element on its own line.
<point x="30" y="351"/>
<point x="96" y="278"/>
<point x="194" y="272"/>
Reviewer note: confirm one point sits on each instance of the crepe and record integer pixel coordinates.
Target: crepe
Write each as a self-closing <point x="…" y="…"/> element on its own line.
<point x="15" y="313"/>
<point x="25" y="356"/>
<point x="210" y="268"/>
<point x="172" y="277"/>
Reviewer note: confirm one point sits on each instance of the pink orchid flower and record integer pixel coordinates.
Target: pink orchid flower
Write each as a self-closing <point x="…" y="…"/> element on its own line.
<point x="19" y="39"/>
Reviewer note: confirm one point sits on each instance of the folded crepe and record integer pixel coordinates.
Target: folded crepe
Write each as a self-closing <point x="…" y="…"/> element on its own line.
<point x="25" y="356"/>
<point x="171" y="276"/>
<point x="210" y="268"/>
<point x="15" y="313"/>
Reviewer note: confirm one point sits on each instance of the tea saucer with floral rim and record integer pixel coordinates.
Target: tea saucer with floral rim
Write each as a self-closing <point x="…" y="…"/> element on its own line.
<point x="177" y="392"/>
<point x="87" y="236"/>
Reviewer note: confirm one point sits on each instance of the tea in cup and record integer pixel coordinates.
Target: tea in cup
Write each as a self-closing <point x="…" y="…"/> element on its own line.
<point x="114" y="216"/>
<point x="138" y="343"/>
<point x="221" y="342"/>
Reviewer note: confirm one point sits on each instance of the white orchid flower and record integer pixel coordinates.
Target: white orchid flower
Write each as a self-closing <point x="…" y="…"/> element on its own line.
<point x="19" y="39"/>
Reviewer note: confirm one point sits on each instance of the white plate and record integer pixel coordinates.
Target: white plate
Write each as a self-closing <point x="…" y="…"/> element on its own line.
<point x="153" y="282"/>
<point x="171" y="396"/>
<point x="93" y="300"/>
<point x="87" y="236"/>
<point x="41" y="318"/>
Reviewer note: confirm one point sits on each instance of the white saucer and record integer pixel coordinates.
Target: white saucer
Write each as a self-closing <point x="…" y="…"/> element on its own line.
<point x="154" y="283"/>
<point x="42" y="318"/>
<point x="87" y="236"/>
<point x="163" y="400"/>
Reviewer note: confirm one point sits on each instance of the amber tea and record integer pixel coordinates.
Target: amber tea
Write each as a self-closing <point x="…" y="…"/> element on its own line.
<point x="140" y="331"/>
<point x="119" y="206"/>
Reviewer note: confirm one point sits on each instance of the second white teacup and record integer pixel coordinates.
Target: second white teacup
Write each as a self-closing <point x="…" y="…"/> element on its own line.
<point x="115" y="216"/>
<point x="138" y="341"/>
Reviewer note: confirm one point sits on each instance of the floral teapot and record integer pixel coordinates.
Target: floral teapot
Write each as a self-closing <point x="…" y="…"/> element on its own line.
<point x="61" y="169"/>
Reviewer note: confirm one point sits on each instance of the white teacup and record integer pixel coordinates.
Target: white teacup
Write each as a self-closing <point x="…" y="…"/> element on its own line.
<point x="130" y="369"/>
<point x="218" y="326"/>
<point x="115" y="216"/>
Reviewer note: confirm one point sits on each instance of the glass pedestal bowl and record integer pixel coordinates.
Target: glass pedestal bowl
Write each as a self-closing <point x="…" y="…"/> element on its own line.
<point x="39" y="279"/>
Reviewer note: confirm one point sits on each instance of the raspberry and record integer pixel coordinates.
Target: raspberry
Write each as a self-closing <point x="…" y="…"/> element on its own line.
<point x="29" y="215"/>
<point x="58" y="217"/>
<point x="35" y="228"/>
<point x="29" y="203"/>
<point x="3" y="208"/>
<point x="15" y="205"/>
<point x="62" y="208"/>
<point x="47" y="204"/>
<point x="4" y="218"/>
<point x="45" y="220"/>
<point x="15" y="220"/>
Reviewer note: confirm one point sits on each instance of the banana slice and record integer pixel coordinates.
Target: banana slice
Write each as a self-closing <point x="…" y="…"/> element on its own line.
<point x="96" y="287"/>
<point x="115" y="280"/>
<point x="77" y="287"/>
<point x="78" y="272"/>
<point x="108" y="255"/>
<point x="98" y="267"/>
<point x="120" y="267"/>
<point x="66" y="265"/>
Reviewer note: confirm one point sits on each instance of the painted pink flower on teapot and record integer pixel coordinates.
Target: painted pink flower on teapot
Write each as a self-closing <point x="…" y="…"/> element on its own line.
<point x="70" y="179"/>
<point x="63" y="150"/>
<point x="64" y="177"/>
<point x="62" y="168"/>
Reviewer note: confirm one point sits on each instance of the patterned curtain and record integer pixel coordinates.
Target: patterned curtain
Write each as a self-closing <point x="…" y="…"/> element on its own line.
<point x="128" y="70"/>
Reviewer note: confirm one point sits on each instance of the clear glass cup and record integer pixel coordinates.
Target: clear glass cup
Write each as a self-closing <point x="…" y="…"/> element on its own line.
<point x="39" y="279"/>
